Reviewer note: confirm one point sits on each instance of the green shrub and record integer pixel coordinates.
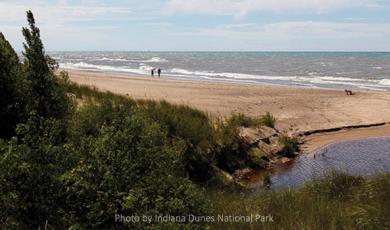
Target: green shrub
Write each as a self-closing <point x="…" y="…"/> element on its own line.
<point x="190" y="127"/>
<point x="131" y="169"/>
<point x="236" y="120"/>
<point x="268" y="120"/>
<point x="30" y="166"/>
<point x="290" y="145"/>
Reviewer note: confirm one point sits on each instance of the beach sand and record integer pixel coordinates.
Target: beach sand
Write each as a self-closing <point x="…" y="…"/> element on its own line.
<point x="297" y="109"/>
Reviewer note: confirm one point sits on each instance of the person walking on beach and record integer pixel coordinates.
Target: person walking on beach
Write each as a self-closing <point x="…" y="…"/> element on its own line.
<point x="152" y="72"/>
<point x="159" y="72"/>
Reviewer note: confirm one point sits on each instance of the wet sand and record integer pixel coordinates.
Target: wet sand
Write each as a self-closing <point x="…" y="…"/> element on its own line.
<point x="297" y="109"/>
<point x="315" y="142"/>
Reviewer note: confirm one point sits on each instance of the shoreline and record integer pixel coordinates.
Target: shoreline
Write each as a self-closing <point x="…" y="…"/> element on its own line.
<point x="297" y="109"/>
<point x="318" y="141"/>
<point x="165" y="76"/>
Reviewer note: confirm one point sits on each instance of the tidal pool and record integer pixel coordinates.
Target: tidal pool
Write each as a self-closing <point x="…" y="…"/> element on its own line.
<point x="366" y="157"/>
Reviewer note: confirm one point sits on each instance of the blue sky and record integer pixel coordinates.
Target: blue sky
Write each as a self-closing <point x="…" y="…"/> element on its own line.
<point x="217" y="25"/>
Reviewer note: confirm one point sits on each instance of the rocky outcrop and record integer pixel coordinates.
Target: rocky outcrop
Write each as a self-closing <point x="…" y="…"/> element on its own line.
<point x="258" y="158"/>
<point x="257" y="148"/>
<point x="252" y="136"/>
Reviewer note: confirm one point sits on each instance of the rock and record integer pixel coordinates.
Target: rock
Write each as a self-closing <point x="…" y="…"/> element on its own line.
<point x="276" y="149"/>
<point x="267" y="132"/>
<point x="258" y="158"/>
<point x="224" y="176"/>
<point x="274" y="140"/>
<point x="245" y="173"/>
<point x="273" y="148"/>
<point x="285" y="160"/>
<point x="251" y="136"/>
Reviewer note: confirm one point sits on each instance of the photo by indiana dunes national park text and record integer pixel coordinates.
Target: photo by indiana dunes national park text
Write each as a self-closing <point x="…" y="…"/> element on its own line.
<point x="180" y="114"/>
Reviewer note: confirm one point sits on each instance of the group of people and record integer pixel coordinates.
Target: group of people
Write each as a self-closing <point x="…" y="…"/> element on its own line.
<point x="158" y="72"/>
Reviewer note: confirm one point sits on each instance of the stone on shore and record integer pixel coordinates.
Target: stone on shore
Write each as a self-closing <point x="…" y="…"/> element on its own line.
<point x="252" y="136"/>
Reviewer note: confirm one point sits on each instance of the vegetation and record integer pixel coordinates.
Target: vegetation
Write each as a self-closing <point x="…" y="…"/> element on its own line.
<point x="240" y="119"/>
<point x="72" y="157"/>
<point x="290" y="145"/>
<point x="337" y="201"/>
<point x="10" y="88"/>
<point x="268" y="120"/>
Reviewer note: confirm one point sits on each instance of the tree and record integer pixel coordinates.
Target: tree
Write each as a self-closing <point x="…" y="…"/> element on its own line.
<point x="9" y="76"/>
<point x="47" y="97"/>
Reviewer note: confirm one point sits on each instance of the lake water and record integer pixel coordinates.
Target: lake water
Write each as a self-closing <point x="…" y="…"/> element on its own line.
<point x="362" y="158"/>
<point x="353" y="70"/>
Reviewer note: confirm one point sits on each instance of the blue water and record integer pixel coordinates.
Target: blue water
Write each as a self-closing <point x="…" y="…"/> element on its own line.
<point x="362" y="158"/>
<point x="353" y="70"/>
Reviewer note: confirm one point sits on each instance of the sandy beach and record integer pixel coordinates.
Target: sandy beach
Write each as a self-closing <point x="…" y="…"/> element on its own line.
<point x="297" y="109"/>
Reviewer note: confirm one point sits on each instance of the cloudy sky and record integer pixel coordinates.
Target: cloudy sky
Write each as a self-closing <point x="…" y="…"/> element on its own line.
<point x="186" y="25"/>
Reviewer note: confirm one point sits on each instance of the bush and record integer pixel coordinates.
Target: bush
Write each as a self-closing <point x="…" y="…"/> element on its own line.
<point x="290" y="145"/>
<point x="237" y="120"/>
<point x="29" y="169"/>
<point x="190" y="127"/>
<point x="268" y="120"/>
<point x="130" y="168"/>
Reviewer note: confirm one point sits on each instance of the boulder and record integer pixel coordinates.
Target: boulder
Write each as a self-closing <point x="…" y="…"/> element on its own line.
<point x="273" y="148"/>
<point x="249" y="136"/>
<point x="245" y="173"/>
<point x="252" y="136"/>
<point x="226" y="177"/>
<point x="285" y="160"/>
<point x="258" y="158"/>
<point x="267" y="132"/>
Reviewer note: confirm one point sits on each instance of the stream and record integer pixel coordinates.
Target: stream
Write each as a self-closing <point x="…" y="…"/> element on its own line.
<point x="366" y="157"/>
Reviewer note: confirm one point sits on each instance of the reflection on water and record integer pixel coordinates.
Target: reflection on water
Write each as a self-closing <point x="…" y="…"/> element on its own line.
<point x="363" y="157"/>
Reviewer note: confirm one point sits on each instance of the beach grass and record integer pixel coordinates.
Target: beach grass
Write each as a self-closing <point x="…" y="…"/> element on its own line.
<point x="335" y="201"/>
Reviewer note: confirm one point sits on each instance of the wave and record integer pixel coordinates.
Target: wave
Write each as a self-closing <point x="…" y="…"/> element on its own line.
<point x="86" y="66"/>
<point x="145" y="67"/>
<point x="231" y="75"/>
<point x="156" y="60"/>
<point x="113" y="59"/>
<point x="306" y="81"/>
<point x="384" y="82"/>
<point x="279" y="78"/>
<point x="309" y="81"/>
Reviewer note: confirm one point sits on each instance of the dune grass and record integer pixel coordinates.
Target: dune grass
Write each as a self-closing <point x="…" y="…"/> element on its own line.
<point x="337" y="201"/>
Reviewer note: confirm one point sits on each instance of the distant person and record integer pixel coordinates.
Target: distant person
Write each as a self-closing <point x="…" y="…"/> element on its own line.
<point x="159" y="72"/>
<point x="152" y="72"/>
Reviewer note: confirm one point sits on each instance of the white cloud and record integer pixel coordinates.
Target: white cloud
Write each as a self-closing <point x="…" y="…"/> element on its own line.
<point x="244" y="7"/>
<point x="300" y="29"/>
<point x="15" y="13"/>
<point x="295" y="36"/>
<point x="65" y="23"/>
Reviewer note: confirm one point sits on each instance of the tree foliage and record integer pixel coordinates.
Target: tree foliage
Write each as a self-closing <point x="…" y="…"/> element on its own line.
<point x="9" y="88"/>
<point x="47" y="97"/>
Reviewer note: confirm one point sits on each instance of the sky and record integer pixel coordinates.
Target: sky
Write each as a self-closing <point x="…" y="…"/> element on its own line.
<point x="202" y="25"/>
